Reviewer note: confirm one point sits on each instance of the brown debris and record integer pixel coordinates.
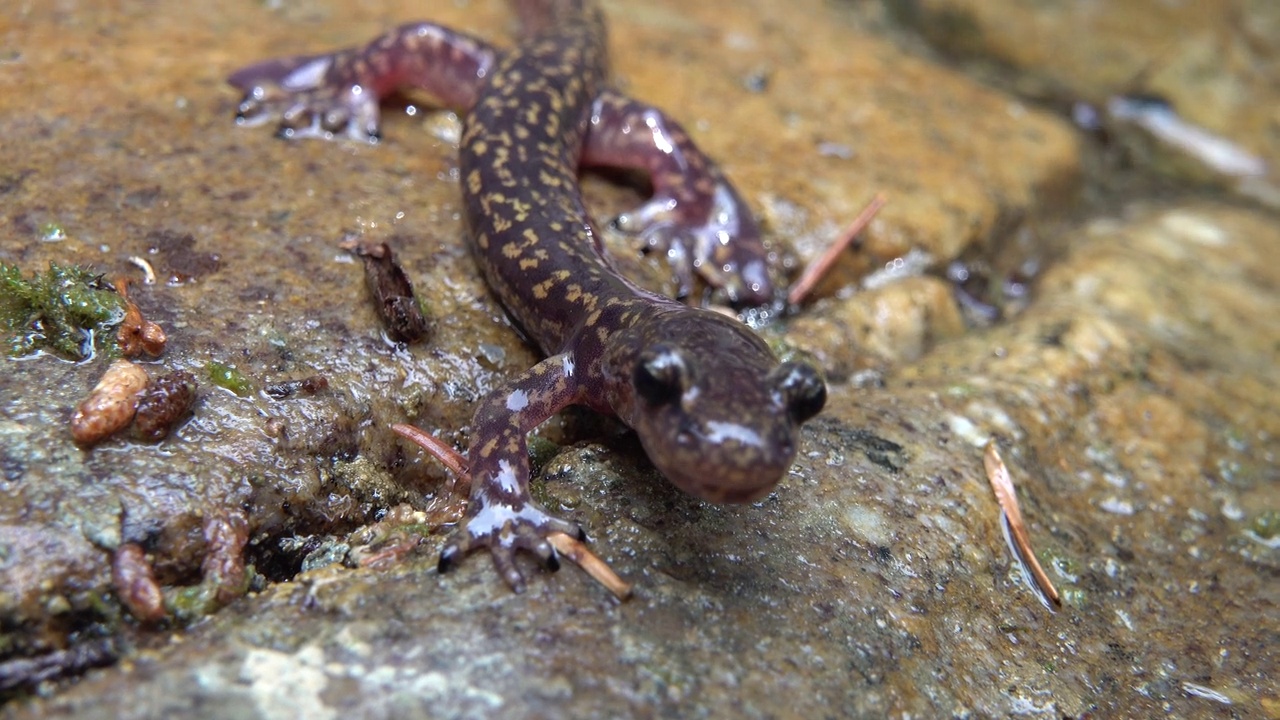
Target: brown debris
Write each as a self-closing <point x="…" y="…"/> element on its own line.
<point x="564" y="544"/>
<point x="386" y="554"/>
<point x="164" y="405"/>
<point x="135" y="583"/>
<point x="223" y="568"/>
<point x="111" y="405"/>
<point x="822" y="264"/>
<point x="392" y="292"/>
<point x="1014" y="527"/>
<point x="137" y="334"/>
<point x="307" y="386"/>
<point x="390" y="539"/>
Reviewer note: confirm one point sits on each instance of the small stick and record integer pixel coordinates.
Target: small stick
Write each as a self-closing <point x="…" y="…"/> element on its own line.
<point x="1014" y="527"/>
<point x="568" y="546"/>
<point x="449" y="457"/>
<point x="571" y="548"/>
<point x="822" y="264"/>
<point x="148" y="272"/>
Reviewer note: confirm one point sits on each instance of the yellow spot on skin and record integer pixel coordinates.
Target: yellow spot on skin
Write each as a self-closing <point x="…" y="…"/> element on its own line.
<point x="488" y="201"/>
<point x="573" y="292"/>
<point x="542" y="289"/>
<point x="487" y="449"/>
<point x="528" y="263"/>
<point x="473" y="182"/>
<point x="521" y="209"/>
<point x="480" y="147"/>
<point x="511" y="251"/>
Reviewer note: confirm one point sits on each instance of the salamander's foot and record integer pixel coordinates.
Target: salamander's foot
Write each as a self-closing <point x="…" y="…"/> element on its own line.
<point x="506" y="530"/>
<point x="713" y="237"/>
<point x="315" y="96"/>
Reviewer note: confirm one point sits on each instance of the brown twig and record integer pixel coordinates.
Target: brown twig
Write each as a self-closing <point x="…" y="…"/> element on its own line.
<point x="568" y="546"/>
<point x="600" y="571"/>
<point x="1015" y="528"/>
<point x="449" y="457"/>
<point x="822" y="264"/>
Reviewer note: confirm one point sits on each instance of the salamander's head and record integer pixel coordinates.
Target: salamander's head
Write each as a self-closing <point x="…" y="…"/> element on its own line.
<point x="715" y="411"/>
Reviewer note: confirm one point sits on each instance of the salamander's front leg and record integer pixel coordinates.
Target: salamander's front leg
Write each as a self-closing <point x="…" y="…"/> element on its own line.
<point x="337" y="94"/>
<point x="500" y="515"/>
<point x="695" y="218"/>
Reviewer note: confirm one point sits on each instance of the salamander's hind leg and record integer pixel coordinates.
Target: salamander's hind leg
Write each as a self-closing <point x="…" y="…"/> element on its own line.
<point x="501" y="515"/>
<point x="337" y="94"/>
<point x="695" y="218"/>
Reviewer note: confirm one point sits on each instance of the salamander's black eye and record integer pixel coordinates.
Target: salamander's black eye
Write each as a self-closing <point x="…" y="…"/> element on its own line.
<point x="802" y="388"/>
<point x="660" y="375"/>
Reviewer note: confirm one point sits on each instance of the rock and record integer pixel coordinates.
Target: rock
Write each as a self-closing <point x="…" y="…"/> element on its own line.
<point x="1213" y="62"/>
<point x="1133" y="397"/>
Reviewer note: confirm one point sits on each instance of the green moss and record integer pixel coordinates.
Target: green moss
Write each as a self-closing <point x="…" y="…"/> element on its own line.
<point x="225" y="376"/>
<point x="67" y="309"/>
<point x="541" y="451"/>
<point x="192" y="602"/>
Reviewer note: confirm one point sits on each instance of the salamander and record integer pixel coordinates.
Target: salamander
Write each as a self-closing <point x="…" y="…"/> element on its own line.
<point x="715" y="410"/>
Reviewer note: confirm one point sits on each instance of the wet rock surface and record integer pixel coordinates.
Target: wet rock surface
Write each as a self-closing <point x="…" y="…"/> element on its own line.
<point x="1214" y="63"/>
<point x="1133" y="392"/>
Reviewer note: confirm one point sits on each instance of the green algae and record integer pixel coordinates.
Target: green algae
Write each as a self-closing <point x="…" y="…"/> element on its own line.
<point x="192" y="602"/>
<point x="229" y="378"/>
<point x="68" y="309"/>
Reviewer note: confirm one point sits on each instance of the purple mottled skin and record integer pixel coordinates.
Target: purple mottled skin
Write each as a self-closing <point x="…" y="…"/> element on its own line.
<point x="714" y="409"/>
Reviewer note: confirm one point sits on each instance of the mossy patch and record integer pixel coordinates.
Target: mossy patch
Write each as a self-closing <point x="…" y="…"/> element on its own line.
<point x="68" y="310"/>
<point x="225" y="376"/>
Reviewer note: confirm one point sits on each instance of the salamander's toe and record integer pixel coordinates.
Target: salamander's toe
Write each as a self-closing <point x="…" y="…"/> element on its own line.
<point x="527" y="533"/>
<point x="325" y="113"/>
<point x="504" y="560"/>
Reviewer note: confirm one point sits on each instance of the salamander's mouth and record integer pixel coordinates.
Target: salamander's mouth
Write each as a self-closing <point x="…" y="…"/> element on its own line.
<point x="723" y="462"/>
<point x="739" y="496"/>
<point x="729" y="491"/>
